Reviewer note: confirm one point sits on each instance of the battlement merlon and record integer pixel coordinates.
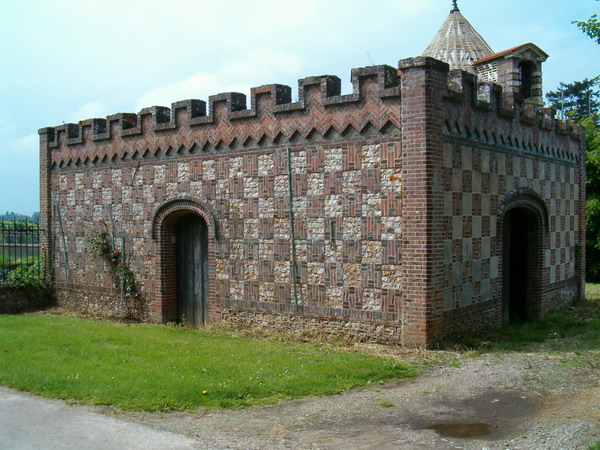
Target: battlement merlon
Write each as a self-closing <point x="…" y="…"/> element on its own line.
<point x="462" y="88"/>
<point x="465" y="87"/>
<point x="164" y="118"/>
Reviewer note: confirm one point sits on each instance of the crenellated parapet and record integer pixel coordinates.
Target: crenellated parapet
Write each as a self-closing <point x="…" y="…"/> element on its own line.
<point x="480" y="111"/>
<point x="227" y="119"/>
<point x="473" y="110"/>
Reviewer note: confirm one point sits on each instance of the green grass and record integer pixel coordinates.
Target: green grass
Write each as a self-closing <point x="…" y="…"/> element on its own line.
<point x="575" y="330"/>
<point x="386" y="404"/>
<point x="592" y="291"/>
<point x="150" y="367"/>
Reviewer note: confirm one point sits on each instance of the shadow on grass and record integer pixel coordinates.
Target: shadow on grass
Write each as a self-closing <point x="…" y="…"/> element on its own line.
<point x="17" y="299"/>
<point x="574" y="331"/>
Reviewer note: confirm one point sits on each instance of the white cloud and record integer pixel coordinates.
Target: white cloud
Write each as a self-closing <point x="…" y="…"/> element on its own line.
<point x="25" y="146"/>
<point x="252" y="69"/>
<point x="6" y="122"/>
<point x="261" y="64"/>
<point x="89" y="111"/>
<point x="199" y="86"/>
<point x="20" y="174"/>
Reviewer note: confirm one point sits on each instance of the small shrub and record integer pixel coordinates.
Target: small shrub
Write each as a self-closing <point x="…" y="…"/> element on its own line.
<point x="573" y="328"/>
<point x="28" y="277"/>
<point x="100" y="244"/>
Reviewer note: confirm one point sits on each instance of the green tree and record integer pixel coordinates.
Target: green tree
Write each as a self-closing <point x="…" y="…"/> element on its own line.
<point x="576" y="100"/>
<point x="591" y="27"/>
<point x="592" y="206"/>
<point x="580" y="101"/>
<point x="17" y="217"/>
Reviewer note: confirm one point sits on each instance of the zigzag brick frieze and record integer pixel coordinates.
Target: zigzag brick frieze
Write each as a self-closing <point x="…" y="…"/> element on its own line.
<point x="188" y="126"/>
<point x="478" y="112"/>
<point x="472" y="110"/>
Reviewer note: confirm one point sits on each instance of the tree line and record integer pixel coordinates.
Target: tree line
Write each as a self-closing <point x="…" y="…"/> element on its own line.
<point x="17" y="217"/>
<point x="580" y="101"/>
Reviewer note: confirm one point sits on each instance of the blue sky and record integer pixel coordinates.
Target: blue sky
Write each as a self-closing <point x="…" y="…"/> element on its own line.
<point x="69" y="60"/>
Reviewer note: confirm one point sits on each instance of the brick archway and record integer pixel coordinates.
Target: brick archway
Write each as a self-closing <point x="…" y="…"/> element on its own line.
<point x="523" y="222"/>
<point x="164" y="307"/>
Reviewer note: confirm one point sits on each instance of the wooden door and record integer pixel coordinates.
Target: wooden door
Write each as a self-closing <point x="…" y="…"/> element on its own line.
<point x="192" y="270"/>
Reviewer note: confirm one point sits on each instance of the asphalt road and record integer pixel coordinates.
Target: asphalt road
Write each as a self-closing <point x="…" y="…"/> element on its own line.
<point x="28" y="422"/>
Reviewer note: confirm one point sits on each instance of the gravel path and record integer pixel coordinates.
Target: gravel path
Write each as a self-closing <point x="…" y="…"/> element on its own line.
<point x="516" y="400"/>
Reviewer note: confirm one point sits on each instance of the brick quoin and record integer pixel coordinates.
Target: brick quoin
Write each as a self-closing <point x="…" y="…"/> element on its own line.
<point x="424" y="80"/>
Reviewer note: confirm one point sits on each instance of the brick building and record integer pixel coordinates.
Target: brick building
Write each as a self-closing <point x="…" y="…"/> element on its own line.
<point x="438" y="196"/>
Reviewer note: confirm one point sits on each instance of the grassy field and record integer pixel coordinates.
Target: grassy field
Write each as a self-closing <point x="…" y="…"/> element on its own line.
<point x="149" y="367"/>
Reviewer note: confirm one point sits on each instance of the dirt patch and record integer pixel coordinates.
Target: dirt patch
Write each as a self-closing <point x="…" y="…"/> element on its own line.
<point x="515" y="400"/>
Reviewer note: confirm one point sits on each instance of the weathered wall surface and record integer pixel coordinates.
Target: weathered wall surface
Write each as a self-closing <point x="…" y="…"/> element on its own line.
<point x="345" y="155"/>
<point x="489" y="157"/>
<point x="398" y="189"/>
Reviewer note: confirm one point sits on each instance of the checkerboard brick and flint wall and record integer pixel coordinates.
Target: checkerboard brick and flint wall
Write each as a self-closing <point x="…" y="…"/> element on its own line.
<point x="388" y="247"/>
<point x="491" y="156"/>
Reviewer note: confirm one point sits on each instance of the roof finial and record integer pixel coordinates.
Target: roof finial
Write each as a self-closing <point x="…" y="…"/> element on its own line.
<point x="454" y="6"/>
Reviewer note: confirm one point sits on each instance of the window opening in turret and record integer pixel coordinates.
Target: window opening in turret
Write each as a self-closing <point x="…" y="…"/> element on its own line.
<point x="526" y="79"/>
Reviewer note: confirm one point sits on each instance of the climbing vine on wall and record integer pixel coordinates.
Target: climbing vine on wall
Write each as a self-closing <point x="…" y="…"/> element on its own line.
<point x="102" y="244"/>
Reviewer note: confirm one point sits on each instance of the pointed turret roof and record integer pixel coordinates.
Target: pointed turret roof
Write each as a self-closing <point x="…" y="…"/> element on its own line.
<point x="457" y="43"/>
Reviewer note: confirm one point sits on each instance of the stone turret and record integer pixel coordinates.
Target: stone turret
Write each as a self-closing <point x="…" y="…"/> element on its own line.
<point x="518" y="70"/>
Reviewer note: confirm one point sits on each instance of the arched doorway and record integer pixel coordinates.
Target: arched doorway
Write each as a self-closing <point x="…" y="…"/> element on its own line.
<point x="524" y="223"/>
<point x="191" y="262"/>
<point x="520" y="261"/>
<point x="184" y="231"/>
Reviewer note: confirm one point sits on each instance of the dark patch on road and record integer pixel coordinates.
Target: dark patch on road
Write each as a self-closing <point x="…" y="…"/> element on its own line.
<point x="489" y="413"/>
<point x="461" y="430"/>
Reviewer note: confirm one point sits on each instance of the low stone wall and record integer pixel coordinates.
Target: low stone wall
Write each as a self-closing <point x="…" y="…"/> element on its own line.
<point x="561" y="295"/>
<point x="19" y="300"/>
<point x="471" y="319"/>
<point x="360" y="330"/>
<point x="102" y="305"/>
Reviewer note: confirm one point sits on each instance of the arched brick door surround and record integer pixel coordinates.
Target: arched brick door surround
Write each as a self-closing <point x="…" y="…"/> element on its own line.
<point x="523" y="211"/>
<point x="164" y="305"/>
